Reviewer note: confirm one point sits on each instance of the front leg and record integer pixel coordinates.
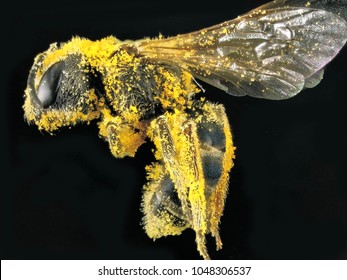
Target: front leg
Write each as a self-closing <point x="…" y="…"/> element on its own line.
<point x="124" y="137"/>
<point x="195" y="156"/>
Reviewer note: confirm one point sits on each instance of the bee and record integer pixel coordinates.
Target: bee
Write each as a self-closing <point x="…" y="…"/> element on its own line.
<point x="148" y="89"/>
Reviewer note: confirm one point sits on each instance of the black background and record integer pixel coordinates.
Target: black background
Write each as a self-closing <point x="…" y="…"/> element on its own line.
<point x="66" y="197"/>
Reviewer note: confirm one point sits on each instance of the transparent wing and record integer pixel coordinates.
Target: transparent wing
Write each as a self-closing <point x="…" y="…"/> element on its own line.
<point x="272" y="52"/>
<point x="338" y="7"/>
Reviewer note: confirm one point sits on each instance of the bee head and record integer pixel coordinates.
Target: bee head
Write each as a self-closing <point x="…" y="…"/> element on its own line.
<point x="60" y="89"/>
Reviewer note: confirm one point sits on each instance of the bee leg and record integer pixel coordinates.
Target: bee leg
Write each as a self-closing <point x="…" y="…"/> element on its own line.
<point x="123" y="138"/>
<point x="163" y="214"/>
<point x="178" y="149"/>
<point x="195" y="152"/>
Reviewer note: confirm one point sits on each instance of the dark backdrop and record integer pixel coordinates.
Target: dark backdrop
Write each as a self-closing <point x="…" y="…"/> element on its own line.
<point x="66" y="197"/>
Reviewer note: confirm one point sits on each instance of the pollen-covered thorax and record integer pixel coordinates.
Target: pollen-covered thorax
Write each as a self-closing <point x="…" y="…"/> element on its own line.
<point x="139" y="86"/>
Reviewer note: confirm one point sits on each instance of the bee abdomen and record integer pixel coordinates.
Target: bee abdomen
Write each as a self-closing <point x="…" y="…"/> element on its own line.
<point x="162" y="207"/>
<point x="212" y="167"/>
<point x="165" y="202"/>
<point x="211" y="135"/>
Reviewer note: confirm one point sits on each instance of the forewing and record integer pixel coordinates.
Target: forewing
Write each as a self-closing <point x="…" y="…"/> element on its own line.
<point x="338" y="7"/>
<point x="272" y="52"/>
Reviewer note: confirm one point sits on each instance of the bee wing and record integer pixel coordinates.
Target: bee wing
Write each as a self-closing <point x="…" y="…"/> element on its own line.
<point x="272" y="52"/>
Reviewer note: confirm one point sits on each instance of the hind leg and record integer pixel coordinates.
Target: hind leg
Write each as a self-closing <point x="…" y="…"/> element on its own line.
<point x="194" y="153"/>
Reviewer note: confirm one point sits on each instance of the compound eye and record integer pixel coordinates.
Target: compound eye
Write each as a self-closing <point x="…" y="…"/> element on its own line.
<point x="50" y="83"/>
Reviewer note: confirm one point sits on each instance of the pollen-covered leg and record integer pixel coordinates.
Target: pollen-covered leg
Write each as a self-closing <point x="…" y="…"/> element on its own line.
<point x="123" y="137"/>
<point x="177" y="148"/>
<point x="194" y="156"/>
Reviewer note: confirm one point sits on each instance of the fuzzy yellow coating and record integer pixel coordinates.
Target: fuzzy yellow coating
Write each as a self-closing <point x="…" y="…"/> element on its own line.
<point x="108" y="58"/>
<point x="123" y="124"/>
<point x="123" y="138"/>
<point x="216" y="202"/>
<point x="93" y="53"/>
<point x="179" y="152"/>
<point x="175" y="89"/>
<point x="53" y="120"/>
<point x="161" y="223"/>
